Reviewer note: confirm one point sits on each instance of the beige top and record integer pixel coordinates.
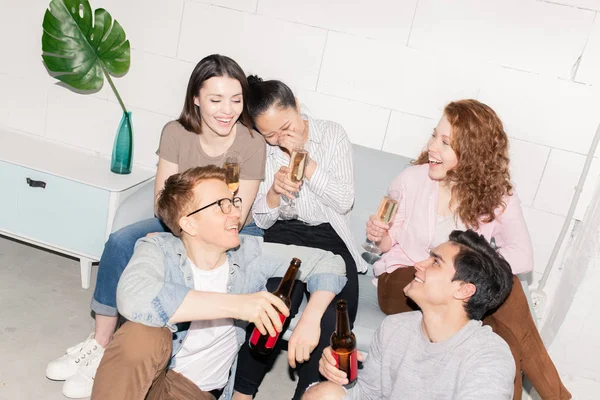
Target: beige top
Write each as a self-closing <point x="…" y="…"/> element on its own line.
<point x="182" y="147"/>
<point x="444" y="226"/>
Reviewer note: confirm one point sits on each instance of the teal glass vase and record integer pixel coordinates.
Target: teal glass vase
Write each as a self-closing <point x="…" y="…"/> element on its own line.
<point x="122" y="154"/>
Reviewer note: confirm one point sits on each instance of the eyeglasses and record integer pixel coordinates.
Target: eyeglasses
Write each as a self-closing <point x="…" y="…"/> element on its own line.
<point x="224" y="203"/>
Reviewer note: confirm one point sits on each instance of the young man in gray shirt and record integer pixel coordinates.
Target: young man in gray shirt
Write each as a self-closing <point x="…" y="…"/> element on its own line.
<point x="442" y="351"/>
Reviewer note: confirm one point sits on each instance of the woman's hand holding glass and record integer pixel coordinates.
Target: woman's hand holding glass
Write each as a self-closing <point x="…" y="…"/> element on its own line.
<point x="283" y="185"/>
<point x="298" y="162"/>
<point x="376" y="229"/>
<point x="378" y="226"/>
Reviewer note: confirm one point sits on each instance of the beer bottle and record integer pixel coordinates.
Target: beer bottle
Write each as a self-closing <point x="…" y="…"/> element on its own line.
<point x="264" y="344"/>
<point x="343" y="343"/>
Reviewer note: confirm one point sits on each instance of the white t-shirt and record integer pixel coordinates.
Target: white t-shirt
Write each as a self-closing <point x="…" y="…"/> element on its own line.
<point x="210" y="346"/>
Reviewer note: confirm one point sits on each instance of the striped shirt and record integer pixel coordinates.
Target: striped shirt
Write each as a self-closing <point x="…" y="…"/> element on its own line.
<point x="328" y="196"/>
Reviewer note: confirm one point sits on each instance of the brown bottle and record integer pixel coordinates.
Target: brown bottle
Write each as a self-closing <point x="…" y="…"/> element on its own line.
<point x="343" y="343"/>
<point x="264" y="344"/>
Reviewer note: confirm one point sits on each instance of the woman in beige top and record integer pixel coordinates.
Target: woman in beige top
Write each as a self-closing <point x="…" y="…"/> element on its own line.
<point x="214" y="121"/>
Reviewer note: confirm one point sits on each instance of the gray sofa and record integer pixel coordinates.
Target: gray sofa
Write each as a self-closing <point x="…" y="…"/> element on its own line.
<point x="373" y="171"/>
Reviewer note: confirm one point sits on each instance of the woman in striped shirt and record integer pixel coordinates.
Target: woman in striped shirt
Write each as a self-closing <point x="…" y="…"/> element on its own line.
<point x="323" y="202"/>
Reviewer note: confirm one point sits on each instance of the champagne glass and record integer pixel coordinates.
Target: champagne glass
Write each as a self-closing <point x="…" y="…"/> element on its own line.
<point x="298" y="161"/>
<point x="385" y="213"/>
<point x="232" y="170"/>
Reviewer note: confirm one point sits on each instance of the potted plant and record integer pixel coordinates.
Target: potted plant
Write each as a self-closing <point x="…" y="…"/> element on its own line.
<point x="81" y="47"/>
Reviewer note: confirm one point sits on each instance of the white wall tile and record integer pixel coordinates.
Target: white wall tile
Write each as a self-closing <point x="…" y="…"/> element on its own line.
<point x="575" y="347"/>
<point x="91" y="123"/>
<point x="147" y="127"/>
<point x="559" y="180"/>
<point x="592" y="181"/>
<point x="527" y="35"/>
<point x="242" y="5"/>
<point x="82" y="121"/>
<point x="271" y="48"/>
<point x="24" y="107"/>
<point x="582" y="388"/>
<point x="547" y="111"/>
<point x="364" y="124"/>
<point x="4" y="99"/>
<point x="544" y="229"/>
<point x="527" y="162"/>
<point x="150" y="25"/>
<point x="589" y="68"/>
<point x="391" y="20"/>
<point x="408" y="134"/>
<point x="21" y="33"/>
<point x="154" y="83"/>
<point x="383" y="74"/>
<point x="587" y="4"/>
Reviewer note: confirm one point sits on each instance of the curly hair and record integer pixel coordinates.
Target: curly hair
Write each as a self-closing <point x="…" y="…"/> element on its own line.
<point x="482" y="177"/>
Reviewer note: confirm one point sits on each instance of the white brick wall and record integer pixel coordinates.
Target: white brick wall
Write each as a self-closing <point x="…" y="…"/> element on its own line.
<point x="384" y="69"/>
<point x="268" y="46"/>
<point x="526" y="35"/>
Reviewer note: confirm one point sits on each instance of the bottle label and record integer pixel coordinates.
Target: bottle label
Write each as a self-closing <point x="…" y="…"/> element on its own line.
<point x="271" y="340"/>
<point x="347" y="362"/>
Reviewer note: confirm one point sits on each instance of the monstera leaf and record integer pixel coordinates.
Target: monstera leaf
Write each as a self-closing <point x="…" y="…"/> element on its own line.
<point x="80" y="48"/>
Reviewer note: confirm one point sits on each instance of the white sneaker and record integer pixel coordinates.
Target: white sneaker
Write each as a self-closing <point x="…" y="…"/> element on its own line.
<point x="66" y="366"/>
<point x="80" y="385"/>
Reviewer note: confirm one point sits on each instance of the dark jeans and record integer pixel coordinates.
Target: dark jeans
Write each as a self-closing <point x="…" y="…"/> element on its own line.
<point x="115" y="256"/>
<point x="251" y="370"/>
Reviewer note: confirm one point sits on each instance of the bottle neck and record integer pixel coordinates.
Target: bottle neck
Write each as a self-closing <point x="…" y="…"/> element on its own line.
<point x="342" y="326"/>
<point x="287" y="283"/>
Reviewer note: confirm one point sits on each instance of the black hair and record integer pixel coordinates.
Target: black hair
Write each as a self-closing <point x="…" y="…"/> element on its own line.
<point x="478" y="263"/>
<point x="264" y="94"/>
<point x="211" y="66"/>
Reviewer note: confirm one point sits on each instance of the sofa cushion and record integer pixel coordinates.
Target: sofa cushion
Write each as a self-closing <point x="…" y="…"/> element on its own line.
<point x="374" y="170"/>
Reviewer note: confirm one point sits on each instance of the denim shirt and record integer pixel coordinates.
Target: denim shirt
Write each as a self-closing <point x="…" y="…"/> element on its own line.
<point x="159" y="276"/>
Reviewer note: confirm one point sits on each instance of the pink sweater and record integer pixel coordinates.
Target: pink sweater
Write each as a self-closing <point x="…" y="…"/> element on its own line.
<point x="413" y="228"/>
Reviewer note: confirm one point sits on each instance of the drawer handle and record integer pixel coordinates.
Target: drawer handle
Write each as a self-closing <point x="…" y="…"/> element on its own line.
<point x="33" y="183"/>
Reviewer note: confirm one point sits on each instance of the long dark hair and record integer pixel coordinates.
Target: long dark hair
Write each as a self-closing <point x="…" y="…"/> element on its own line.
<point x="264" y="94"/>
<point x="212" y="66"/>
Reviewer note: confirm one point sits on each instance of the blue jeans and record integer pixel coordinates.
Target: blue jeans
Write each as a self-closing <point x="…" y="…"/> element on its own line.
<point x="117" y="253"/>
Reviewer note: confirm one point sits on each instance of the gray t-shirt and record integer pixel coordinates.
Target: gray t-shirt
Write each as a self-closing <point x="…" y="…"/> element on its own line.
<point x="473" y="364"/>
<point x="182" y="147"/>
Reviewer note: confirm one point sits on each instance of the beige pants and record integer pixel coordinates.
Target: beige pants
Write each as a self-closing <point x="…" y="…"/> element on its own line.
<point x="134" y="367"/>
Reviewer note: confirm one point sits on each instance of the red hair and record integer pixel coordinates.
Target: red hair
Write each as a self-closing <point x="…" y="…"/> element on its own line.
<point x="175" y="200"/>
<point x="482" y="177"/>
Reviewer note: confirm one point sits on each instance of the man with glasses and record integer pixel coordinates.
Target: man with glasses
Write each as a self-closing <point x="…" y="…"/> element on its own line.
<point x="188" y="298"/>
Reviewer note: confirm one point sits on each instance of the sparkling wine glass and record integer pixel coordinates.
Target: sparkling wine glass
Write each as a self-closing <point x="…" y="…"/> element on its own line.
<point x="298" y="161"/>
<point x="385" y="213"/>
<point x="232" y="170"/>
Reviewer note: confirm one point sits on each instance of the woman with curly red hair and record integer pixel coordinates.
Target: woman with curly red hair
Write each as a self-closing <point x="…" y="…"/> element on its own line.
<point x="462" y="180"/>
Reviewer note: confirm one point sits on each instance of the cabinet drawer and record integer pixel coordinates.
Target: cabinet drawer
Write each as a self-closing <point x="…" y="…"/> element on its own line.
<point x="65" y="214"/>
<point x="8" y="196"/>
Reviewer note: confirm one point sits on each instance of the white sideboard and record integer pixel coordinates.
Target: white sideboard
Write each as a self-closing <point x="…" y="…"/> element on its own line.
<point x="61" y="198"/>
